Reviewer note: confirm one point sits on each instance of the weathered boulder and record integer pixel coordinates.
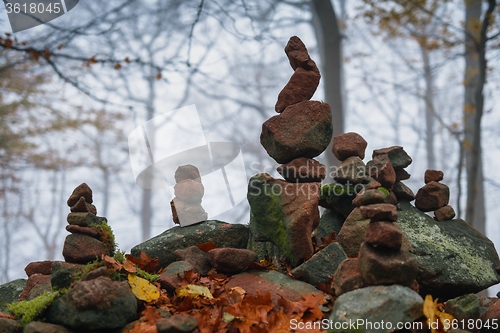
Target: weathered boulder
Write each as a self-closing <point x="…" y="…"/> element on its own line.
<point x="338" y="197"/>
<point x="195" y="257"/>
<point x="388" y="304"/>
<point x="62" y="274"/>
<point x="353" y="232"/>
<point x="229" y="260"/>
<point x="444" y="213"/>
<point x="221" y="233"/>
<point x="285" y="214"/>
<point x="82" y="249"/>
<point x="300" y="87"/>
<point x="382" y="233"/>
<point x="301" y="130"/>
<point x="381" y="169"/>
<point x="453" y="258"/>
<point x="397" y="155"/>
<point x="432" y="196"/>
<point x="96" y="304"/>
<point x="321" y="266"/>
<point x="433" y="176"/>
<point x="347" y="277"/>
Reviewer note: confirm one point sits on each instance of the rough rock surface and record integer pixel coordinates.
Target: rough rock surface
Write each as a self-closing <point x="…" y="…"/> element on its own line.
<point x="397" y="155"/>
<point x="444" y="213"/>
<point x="347" y="277"/>
<point x="330" y="221"/>
<point x="41" y="327"/>
<point x="10" y="291"/>
<point x="353" y="232"/>
<point x="195" y="257"/>
<point x="229" y="260"/>
<point x="81" y="249"/>
<point x="10" y="326"/>
<point x="301" y="130"/>
<point x="179" y="323"/>
<point x="402" y="191"/>
<point x="40" y="267"/>
<point x="392" y="304"/>
<point x="301" y="87"/>
<point x="172" y="274"/>
<point x="433" y="176"/>
<point x="82" y="190"/>
<point x="381" y="169"/>
<point x="385" y="234"/>
<point x="303" y="170"/>
<point x="369" y="197"/>
<point x="276" y="283"/>
<point x="379" y="212"/>
<point x="347" y="145"/>
<point x="432" y="196"/>
<point x="221" y="233"/>
<point x="285" y="214"/>
<point x="321" y="266"/>
<point x="96" y="304"/>
<point x="352" y="170"/>
<point x="453" y="258"/>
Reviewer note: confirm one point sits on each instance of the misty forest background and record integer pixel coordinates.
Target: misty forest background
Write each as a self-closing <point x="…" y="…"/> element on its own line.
<point x="422" y="74"/>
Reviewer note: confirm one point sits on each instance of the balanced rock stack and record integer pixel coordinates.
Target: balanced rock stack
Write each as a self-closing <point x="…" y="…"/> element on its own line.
<point x="349" y="148"/>
<point x="186" y="205"/>
<point x="286" y="212"/>
<point x="434" y="196"/>
<point x="88" y="239"/>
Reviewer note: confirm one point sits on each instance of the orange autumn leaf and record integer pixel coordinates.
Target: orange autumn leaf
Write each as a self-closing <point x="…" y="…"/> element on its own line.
<point x="129" y="266"/>
<point x="290" y="307"/>
<point x="144" y="262"/>
<point x="147" y="323"/>
<point x="3" y="315"/>
<point x="112" y="261"/>
<point x="205" y="247"/>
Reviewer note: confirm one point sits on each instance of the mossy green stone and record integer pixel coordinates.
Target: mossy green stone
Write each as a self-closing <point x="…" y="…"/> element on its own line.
<point x="10" y="291"/>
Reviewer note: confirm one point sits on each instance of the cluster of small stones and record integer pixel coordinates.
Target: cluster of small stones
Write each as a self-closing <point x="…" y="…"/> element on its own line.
<point x="434" y="196"/>
<point x="86" y="242"/>
<point x="186" y="205"/>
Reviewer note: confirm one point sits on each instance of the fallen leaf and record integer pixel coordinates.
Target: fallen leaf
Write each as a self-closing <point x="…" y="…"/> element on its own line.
<point x="143" y="289"/>
<point x="192" y="290"/>
<point x="129" y="266"/>
<point x="112" y="261"/>
<point x="205" y="247"/>
<point x="144" y="262"/>
<point x="3" y="315"/>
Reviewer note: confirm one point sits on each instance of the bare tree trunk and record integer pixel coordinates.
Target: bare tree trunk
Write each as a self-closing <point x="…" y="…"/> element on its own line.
<point x="429" y="108"/>
<point x="329" y="40"/>
<point x="474" y="80"/>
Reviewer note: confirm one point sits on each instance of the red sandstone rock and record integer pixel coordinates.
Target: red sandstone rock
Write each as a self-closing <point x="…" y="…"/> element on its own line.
<point x="82" y="206"/>
<point x="380" y="168"/>
<point x="433" y="176"/>
<point x="39" y="267"/>
<point x="379" y="212"/>
<point x="33" y="281"/>
<point x="230" y="260"/>
<point x="402" y="191"/>
<point x="303" y="170"/>
<point x="432" y="196"/>
<point x="185" y="213"/>
<point x="385" y="234"/>
<point x="301" y="87"/>
<point x="401" y="174"/>
<point x="368" y="197"/>
<point x="298" y="55"/>
<point x="347" y="145"/>
<point x="82" y="249"/>
<point x="347" y="277"/>
<point x="82" y="190"/>
<point x="302" y="130"/>
<point x="397" y="155"/>
<point x="89" y="231"/>
<point x="444" y="213"/>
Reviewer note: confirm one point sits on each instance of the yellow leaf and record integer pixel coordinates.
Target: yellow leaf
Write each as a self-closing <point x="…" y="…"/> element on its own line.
<point x="194" y="291"/>
<point x="142" y="289"/>
<point x="430" y="310"/>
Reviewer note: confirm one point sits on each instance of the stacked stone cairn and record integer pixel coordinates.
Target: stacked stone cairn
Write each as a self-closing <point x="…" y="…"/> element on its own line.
<point x="88" y="239"/>
<point x="186" y="205"/>
<point x="302" y="130"/>
<point x="434" y="196"/>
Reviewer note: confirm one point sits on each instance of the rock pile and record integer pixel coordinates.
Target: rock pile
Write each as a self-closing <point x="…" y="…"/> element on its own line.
<point x="88" y="239"/>
<point x="186" y="205"/>
<point x="434" y="196"/>
<point x="286" y="212"/>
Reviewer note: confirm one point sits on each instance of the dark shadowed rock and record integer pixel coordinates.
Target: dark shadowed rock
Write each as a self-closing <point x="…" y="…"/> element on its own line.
<point x="385" y="234"/>
<point x="62" y="274"/>
<point x="432" y="196"/>
<point x="83" y="219"/>
<point x="301" y="87"/>
<point x="330" y="221"/>
<point x="189" y="190"/>
<point x="402" y="191"/>
<point x="303" y="170"/>
<point x="96" y="304"/>
<point x="41" y="327"/>
<point x="453" y="258"/>
<point x="178" y="323"/>
<point x="433" y="176"/>
<point x="195" y="257"/>
<point x="347" y="277"/>
<point x="368" y="197"/>
<point x="352" y="170"/>
<point x="277" y="284"/>
<point x="221" y="233"/>
<point x="464" y="307"/>
<point x="397" y="155"/>
<point x="285" y="214"/>
<point x="172" y="274"/>
<point x="338" y="197"/>
<point x="353" y="232"/>
<point x="382" y="266"/>
<point x="347" y="145"/>
<point x="10" y="326"/>
<point x="302" y="130"/>
<point x="230" y="260"/>
<point x="321" y="266"/>
<point x="381" y="169"/>
<point x="82" y="190"/>
<point x="379" y="212"/>
<point x="10" y="291"/>
<point x="444" y="213"/>
<point x="390" y="304"/>
<point x="401" y="174"/>
<point x="82" y="249"/>
<point x="82" y="206"/>
<point x="38" y="267"/>
<point x="187" y="171"/>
